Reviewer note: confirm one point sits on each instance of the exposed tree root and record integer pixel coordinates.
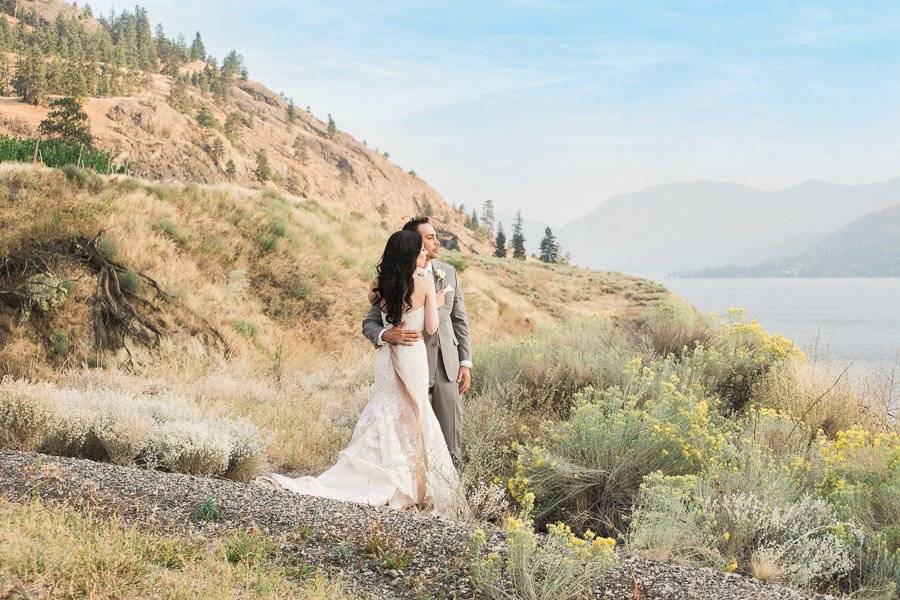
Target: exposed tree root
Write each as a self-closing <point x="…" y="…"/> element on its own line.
<point x="119" y="315"/>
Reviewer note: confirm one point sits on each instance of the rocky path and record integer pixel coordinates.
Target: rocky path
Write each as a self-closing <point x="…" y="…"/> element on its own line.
<point x="338" y="538"/>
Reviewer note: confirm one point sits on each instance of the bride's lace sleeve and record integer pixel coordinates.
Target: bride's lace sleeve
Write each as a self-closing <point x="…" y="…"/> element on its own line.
<point x="431" y="309"/>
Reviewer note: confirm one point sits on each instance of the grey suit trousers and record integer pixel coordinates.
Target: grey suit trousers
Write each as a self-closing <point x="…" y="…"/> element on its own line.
<point x="447" y="407"/>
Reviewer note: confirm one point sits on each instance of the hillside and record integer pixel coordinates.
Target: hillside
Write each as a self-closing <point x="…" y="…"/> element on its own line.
<point x="150" y="121"/>
<point x="867" y="247"/>
<point x="235" y="270"/>
<point x="705" y="224"/>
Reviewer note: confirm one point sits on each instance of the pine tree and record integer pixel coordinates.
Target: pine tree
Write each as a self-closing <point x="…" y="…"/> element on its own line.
<point x="232" y="65"/>
<point x="31" y="76"/>
<point x="518" y="238"/>
<point x="474" y="223"/>
<point x="549" y="247"/>
<point x="262" y="170"/>
<point x="487" y="215"/>
<point x="230" y="169"/>
<point x="67" y="121"/>
<point x="500" y="242"/>
<point x="290" y="114"/>
<point x="332" y="126"/>
<point x="198" y="50"/>
<point x="5" y="75"/>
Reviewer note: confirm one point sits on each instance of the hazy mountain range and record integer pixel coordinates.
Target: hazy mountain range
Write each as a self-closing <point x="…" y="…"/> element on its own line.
<point x="689" y="226"/>
<point x="867" y="247"/>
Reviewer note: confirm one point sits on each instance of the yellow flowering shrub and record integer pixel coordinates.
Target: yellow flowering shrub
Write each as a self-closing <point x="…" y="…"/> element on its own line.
<point x="587" y="469"/>
<point x="560" y="565"/>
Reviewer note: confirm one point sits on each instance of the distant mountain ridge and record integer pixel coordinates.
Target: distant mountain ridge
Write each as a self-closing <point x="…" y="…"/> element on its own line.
<point x="867" y="247"/>
<point x="684" y="226"/>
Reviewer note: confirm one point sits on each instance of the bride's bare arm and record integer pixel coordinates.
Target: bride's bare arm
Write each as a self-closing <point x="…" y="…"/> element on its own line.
<point x="373" y="295"/>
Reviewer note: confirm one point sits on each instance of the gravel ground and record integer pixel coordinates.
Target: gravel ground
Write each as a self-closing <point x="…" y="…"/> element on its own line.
<point x="331" y="535"/>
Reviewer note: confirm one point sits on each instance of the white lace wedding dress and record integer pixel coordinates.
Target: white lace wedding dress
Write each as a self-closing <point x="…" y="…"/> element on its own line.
<point x="397" y="455"/>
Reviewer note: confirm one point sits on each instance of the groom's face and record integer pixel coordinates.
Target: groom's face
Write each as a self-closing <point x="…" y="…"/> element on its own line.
<point x="430" y="240"/>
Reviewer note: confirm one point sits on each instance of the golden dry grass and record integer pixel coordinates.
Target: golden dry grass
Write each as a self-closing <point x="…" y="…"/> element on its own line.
<point x="65" y="553"/>
<point x="280" y="278"/>
<point x="823" y="397"/>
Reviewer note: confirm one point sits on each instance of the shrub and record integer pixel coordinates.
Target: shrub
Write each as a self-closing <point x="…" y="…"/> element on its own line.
<point x="267" y="243"/>
<point x="554" y="363"/>
<point x="742" y="352"/>
<point x="277" y="227"/>
<point x="206" y="119"/>
<point x="245" y="328"/>
<point x="208" y="510"/>
<point x="797" y="541"/>
<point x="130" y="282"/>
<point x="674" y="326"/>
<point x="457" y="262"/>
<point x="23" y="414"/>
<point x="167" y="431"/>
<point x="107" y="248"/>
<point x="60" y="342"/>
<point x="121" y="437"/>
<point x="560" y="566"/>
<point x="821" y="398"/>
<point x="170" y="230"/>
<point x="588" y="469"/>
<point x="300" y="290"/>
<point x="84" y="178"/>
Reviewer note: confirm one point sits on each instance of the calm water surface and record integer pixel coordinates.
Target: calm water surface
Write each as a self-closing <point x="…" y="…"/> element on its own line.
<point x="848" y="319"/>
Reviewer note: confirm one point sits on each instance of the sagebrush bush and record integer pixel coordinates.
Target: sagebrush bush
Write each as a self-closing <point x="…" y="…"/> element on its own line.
<point x="558" y="566"/>
<point x="587" y="470"/>
<point x="800" y="541"/>
<point x="674" y="327"/>
<point x="743" y="352"/>
<point x="23" y="415"/>
<point x="164" y="431"/>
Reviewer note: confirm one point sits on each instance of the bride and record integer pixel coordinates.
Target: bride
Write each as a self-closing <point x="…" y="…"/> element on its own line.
<point x="397" y="455"/>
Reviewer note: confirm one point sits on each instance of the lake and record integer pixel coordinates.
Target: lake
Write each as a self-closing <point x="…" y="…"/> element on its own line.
<point x="848" y="319"/>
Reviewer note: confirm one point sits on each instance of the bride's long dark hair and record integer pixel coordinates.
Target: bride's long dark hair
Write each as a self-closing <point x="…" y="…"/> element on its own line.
<point x="394" y="284"/>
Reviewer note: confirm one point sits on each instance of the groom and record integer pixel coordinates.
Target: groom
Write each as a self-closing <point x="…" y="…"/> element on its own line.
<point x="449" y="354"/>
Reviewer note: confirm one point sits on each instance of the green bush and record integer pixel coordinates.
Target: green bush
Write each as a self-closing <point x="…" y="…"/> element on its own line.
<point x="60" y="342"/>
<point x="84" y="178"/>
<point x="301" y="289"/>
<point x="171" y="230"/>
<point x="244" y="328"/>
<point x="587" y="470"/>
<point x="107" y="248"/>
<point x="130" y="282"/>
<point x="799" y="541"/>
<point x="208" y="510"/>
<point x="674" y="326"/>
<point x="560" y="566"/>
<point x="267" y="243"/>
<point x="206" y="119"/>
<point x="457" y="262"/>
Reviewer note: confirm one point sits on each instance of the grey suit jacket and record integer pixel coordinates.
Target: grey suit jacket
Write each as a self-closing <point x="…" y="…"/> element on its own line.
<point x="452" y="337"/>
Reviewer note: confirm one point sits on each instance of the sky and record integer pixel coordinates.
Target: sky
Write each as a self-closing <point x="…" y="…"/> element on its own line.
<point x="553" y="107"/>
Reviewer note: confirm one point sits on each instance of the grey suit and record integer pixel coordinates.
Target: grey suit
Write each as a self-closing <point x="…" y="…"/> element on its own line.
<point x="446" y="349"/>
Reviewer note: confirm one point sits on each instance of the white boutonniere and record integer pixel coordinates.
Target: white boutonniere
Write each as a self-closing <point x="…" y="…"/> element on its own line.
<point x="439" y="274"/>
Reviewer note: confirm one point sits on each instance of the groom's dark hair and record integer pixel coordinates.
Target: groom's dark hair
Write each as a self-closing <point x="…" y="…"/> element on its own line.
<point x="413" y="224"/>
